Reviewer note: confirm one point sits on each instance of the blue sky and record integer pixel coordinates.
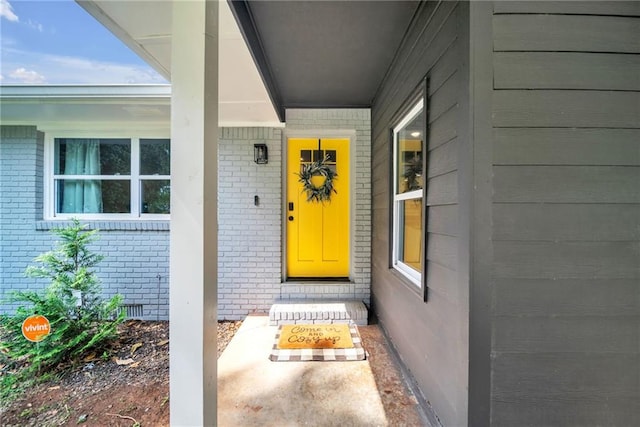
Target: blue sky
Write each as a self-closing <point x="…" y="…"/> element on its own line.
<point x="57" y="42"/>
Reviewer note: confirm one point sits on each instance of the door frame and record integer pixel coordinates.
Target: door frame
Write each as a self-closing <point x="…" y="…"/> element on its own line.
<point x="349" y="134"/>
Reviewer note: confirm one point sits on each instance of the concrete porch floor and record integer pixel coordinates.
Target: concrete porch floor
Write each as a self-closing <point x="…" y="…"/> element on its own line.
<point x="253" y="391"/>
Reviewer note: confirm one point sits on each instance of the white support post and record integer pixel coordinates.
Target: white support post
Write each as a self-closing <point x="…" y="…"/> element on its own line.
<point x="194" y="234"/>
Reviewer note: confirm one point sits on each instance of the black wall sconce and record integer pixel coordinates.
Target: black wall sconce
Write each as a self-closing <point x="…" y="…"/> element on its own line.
<point x="260" y="154"/>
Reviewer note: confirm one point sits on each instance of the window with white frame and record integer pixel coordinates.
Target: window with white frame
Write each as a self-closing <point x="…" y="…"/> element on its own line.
<point x="119" y="178"/>
<point x="408" y="193"/>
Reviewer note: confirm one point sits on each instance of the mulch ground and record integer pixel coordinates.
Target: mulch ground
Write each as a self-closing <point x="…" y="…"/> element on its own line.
<point x="130" y="388"/>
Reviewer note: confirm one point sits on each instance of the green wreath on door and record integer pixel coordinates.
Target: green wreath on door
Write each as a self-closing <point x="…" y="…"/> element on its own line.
<point x="321" y="193"/>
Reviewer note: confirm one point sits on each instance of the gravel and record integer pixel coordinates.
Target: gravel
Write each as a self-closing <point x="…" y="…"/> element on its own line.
<point x="226" y="331"/>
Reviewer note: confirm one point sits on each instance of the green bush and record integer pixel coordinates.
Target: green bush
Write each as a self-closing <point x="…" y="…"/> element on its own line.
<point x="77" y="325"/>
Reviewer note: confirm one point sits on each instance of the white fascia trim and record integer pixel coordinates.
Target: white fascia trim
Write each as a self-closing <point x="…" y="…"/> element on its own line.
<point x="90" y="128"/>
<point x="106" y="126"/>
<point x="223" y="124"/>
<point x="20" y="92"/>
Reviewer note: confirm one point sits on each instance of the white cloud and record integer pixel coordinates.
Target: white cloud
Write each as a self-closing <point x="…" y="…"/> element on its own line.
<point x="6" y="42"/>
<point x="70" y="70"/>
<point x="23" y="75"/>
<point x="81" y="70"/>
<point x="35" y="25"/>
<point x="6" y="11"/>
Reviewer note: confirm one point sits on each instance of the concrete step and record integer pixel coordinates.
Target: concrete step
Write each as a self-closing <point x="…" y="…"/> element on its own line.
<point x="318" y="311"/>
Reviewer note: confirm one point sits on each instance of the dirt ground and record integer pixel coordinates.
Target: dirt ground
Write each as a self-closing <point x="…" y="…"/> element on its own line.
<point x="129" y="389"/>
<point x="132" y="387"/>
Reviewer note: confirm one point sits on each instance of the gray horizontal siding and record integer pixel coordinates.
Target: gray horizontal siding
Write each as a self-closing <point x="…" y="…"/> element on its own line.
<point x="443" y="129"/>
<point x="611" y="8"/>
<point x="443" y="220"/>
<point x="566" y="297"/>
<point x="437" y="358"/>
<point x="443" y="159"/>
<point x="440" y="278"/>
<point x="443" y="99"/>
<point x="566" y="108"/>
<point x="443" y="250"/>
<point x="566" y="214"/>
<point x="566" y="222"/>
<point x="613" y="333"/>
<point x="567" y="260"/>
<point x="567" y="184"/>
<point x="566" y="70"/>
<point x="447" y="65"/>
<point x="526" y="146"/>
<point x="434" y="33"/>
<point x="443" y="189"/>
<point x="580" y="389"/>
<point x="566" y="33"/>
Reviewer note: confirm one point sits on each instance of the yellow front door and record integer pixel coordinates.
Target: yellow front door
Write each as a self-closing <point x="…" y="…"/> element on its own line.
<point x="317" y="232"/>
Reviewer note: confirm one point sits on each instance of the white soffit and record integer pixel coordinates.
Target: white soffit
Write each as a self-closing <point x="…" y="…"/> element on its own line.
<point x="146" y="28"/>
<point x="72" y="107"/>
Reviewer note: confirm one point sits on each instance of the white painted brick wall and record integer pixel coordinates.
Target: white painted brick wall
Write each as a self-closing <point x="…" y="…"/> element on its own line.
<point x="135" y="252"/>
<point x="249" y="236"/>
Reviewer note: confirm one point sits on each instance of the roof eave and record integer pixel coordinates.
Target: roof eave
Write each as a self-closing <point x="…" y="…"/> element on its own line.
<point x="85" y="91"/>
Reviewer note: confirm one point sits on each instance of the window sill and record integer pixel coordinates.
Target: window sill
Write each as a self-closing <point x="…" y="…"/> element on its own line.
<point x="109" y="225"/>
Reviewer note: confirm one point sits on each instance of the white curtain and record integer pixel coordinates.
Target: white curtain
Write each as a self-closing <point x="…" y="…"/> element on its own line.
<point x="82" y="157"/>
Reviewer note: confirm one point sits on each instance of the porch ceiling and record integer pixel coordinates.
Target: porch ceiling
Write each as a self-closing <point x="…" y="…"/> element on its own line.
<point x="318" y="54"/>
<point x="308" y="53"/>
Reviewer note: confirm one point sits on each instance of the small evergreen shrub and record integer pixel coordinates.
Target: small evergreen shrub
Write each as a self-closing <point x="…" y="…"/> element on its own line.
<point x="79" y="324"/>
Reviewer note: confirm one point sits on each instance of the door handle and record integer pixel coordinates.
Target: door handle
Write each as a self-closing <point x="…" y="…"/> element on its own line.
<point x="290" y="206"/>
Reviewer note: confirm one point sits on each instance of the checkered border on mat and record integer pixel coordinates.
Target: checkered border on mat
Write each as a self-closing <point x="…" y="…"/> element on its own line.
<point x="319" y="354"/>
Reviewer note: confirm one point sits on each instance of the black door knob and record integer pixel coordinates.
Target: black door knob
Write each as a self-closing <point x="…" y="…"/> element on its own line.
<point x="290" y="218"/>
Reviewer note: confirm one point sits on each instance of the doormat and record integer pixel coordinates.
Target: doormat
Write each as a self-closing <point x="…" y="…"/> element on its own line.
<point x="315" y="336"/>
<point x="332" y="342"/>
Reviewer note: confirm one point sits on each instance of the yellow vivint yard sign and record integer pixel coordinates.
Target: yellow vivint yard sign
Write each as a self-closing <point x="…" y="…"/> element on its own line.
<point x="35" y="328"/>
